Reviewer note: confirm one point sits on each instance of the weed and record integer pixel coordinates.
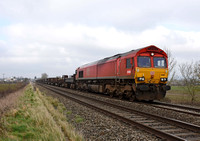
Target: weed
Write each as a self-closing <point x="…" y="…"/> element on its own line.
<point x="28" y="135"/>
<point x="18" y="128"/>
<point x="78" y="119"/>
<point x="69" y="112"/>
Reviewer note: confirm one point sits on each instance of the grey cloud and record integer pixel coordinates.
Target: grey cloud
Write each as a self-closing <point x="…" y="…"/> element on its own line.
<point x="126" y="15"/>
<point x="175" y="39"/>
<point x="57" y="36"/>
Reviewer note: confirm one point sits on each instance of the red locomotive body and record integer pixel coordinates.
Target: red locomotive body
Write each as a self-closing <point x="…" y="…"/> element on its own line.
<point x="134" y="74"/>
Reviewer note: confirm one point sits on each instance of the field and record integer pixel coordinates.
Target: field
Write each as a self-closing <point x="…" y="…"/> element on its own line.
<point x="37" y="117"/>
<point x="179" y="94"/>
<point x="6" y="88"/>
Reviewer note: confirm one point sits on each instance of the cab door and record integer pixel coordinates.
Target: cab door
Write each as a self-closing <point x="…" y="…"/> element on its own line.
<point x="118" y="66"/>
<point x="130" y="66"/>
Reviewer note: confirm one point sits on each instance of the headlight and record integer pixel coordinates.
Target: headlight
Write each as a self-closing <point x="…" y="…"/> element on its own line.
<point x="140" y="78"/>
<point x="163" y="79"/>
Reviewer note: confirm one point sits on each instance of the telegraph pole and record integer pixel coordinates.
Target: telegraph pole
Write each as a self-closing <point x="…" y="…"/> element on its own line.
<point x="3" y="77"/>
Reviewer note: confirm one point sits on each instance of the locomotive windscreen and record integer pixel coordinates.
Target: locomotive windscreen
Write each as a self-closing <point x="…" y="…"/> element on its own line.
<point x="144" y="61"/>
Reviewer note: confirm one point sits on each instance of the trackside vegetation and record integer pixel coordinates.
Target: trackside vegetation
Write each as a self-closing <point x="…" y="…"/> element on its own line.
<point x="10" y="87"/>
<point x="37" y="117"/>
<point x="178" y="94"/>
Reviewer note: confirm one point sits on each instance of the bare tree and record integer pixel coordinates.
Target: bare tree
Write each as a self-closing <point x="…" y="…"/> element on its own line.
<point x="190" y="74"/>
<point x="44" y="76"/>
<point x="197" y="70"/>
<point x="171" y="65"/>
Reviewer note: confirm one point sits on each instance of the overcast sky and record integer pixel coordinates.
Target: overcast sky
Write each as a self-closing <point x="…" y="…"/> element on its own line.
<point x="57" y="36"/>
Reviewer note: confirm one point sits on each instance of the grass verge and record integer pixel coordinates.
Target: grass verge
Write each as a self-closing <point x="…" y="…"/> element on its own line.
<point x="179" y="95"/>
<point x="37" y="117"/>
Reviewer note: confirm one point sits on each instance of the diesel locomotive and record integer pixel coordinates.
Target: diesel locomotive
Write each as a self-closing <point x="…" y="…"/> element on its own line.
<point x="140" y="74"/>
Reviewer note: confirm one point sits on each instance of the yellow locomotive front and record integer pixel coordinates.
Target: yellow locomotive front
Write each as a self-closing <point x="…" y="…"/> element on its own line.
<point x="151" y="74"/>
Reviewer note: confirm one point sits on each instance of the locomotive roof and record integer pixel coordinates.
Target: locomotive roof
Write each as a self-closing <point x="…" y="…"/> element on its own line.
<point x="118" y="55"/>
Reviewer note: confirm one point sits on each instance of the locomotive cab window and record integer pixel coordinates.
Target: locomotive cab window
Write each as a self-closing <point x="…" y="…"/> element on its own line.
<point x="159" y="62"/>
<point x="80" y="74"/>
<point x="129" y="63"/>
<point x="144" y="61"/>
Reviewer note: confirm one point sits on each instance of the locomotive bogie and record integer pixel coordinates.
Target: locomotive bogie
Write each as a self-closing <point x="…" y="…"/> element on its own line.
<point x="95" y="88"/>
<point x="150" y="92"/>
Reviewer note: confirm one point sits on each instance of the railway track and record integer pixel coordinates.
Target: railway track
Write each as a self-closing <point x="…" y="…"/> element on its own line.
<point x="168" y="106"/>
<point x="195" y="111"/>
<point x="161" y="105"/>
<point x="173" y="107"/>
<point x="177" y="108"/>
<point x="165" y="128"/>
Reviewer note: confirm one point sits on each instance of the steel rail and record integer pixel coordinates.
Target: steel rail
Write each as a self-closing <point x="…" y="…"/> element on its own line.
<point x="157" y="105"/>
<point x="157" y="133"/>
<point x="179" y="123"/>
<point x="176" y="110"/>
<point x="178" y="106"/>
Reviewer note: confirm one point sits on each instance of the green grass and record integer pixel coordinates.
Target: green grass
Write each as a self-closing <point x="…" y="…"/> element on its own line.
<point x="19" y="124"/>
<point x="179" y="94"/>
<point x="37" y="117"/>
<point x="78" y="119"/>
<point x="182" y="89"/>
<point x="69" y="112"/>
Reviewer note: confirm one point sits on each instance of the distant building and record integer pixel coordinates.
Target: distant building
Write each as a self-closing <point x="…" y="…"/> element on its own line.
<point x="13" y="80"/>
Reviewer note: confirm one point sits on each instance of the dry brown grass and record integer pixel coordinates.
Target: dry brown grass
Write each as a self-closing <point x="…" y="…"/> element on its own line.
<point x="57" y="110"/>
<point x="6" y="88"/>
<point x="10" y="100"/>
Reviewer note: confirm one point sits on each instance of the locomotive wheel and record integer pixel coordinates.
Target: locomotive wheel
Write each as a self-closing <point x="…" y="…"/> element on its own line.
<point x="111" y="94"/>
<point x="121" y="96"/>
<point x="107" y="92"/>
<point x="132" y="98"/>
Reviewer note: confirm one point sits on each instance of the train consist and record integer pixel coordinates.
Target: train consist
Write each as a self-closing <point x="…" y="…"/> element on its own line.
<point x="140" y="74"/>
